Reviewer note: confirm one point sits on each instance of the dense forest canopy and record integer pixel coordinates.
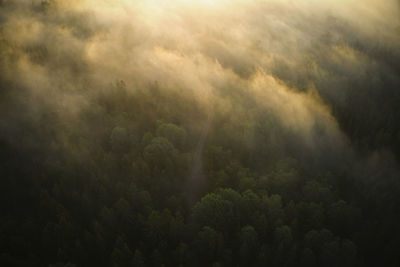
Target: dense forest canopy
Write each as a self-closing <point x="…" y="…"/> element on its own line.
<point x="199" y="133"/>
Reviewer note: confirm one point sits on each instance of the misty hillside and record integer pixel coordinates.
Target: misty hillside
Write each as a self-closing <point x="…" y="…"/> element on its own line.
<point x="199" y="133"/>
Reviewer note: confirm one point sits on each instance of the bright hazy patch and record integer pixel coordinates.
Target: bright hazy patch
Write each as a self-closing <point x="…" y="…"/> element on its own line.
<point x="276" y="52"/>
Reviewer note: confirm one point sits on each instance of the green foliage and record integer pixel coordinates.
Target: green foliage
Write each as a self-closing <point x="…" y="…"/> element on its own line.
<point x="248" y="251"/>
<point x="176" y="135"/>
<point x="119" y="139"/>
<point x="121" y="255"/>
<point x="138" y="259"/>
<point x="209" y="245"/>
<point x="112" y="190"/>
<point x="214" y="211"/>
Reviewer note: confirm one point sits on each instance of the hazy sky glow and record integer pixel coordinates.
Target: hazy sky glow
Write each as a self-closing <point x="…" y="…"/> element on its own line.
<point x="281" y="54"/>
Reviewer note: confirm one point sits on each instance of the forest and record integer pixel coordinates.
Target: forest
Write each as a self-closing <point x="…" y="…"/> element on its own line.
<point x="199" y="133"/>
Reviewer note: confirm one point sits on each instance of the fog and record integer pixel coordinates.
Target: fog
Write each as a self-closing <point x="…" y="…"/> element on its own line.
<point x="199" y="133"/>
<point x="292" y="59"/>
